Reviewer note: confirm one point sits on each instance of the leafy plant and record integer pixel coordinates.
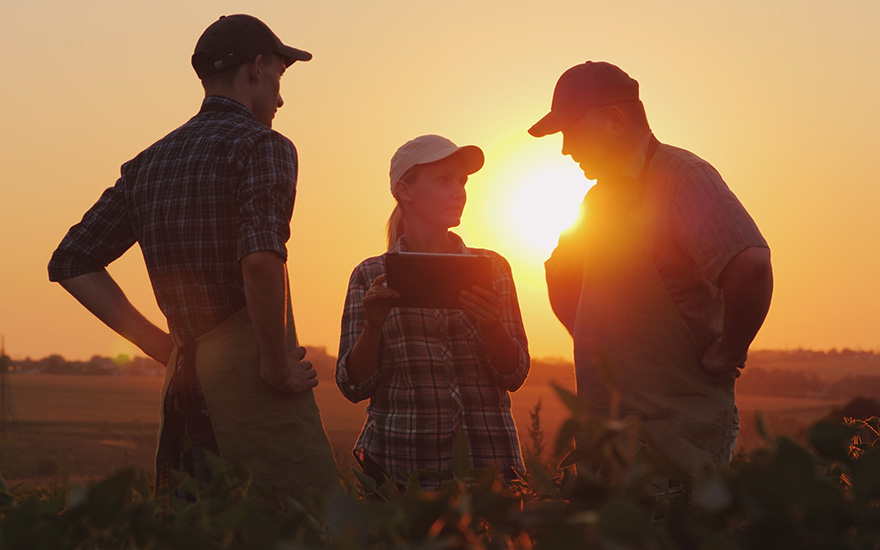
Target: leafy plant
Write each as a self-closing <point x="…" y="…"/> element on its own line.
<point x="822" y="494"/>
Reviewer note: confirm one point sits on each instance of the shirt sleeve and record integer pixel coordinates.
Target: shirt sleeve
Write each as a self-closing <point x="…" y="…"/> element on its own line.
<point x="353" y="318"/>
<point x="266" y="197"/>
<point x="103" y="235"/>
<point x="511" y="318"/>
<point x="710" y="222"/>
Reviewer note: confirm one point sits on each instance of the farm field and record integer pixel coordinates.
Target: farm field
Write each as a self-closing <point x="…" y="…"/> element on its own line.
<point x="783" y="415"/>
<point x="80" y="427"/>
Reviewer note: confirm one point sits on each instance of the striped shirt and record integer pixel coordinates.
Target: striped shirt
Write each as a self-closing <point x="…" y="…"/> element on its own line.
<point x="216" y="189"/>
<point x="434" y="379"/>
<point x="696" y="227"/>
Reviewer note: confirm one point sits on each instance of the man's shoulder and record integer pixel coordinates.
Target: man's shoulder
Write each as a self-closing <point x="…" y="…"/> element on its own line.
<point x="678" y="158"/>
<point x="215" y="132"/>
<point x="674" y="168"/>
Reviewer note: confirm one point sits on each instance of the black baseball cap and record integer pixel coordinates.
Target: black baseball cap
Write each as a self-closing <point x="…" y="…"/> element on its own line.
<point x="236" y="39"/>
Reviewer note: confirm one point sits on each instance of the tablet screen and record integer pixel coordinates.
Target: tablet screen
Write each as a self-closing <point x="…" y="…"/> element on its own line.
<point x="434" y="280"/>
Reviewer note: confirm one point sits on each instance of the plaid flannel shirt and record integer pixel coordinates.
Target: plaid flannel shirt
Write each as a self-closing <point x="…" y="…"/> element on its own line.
<point x="212" y="191"/>
<point x="434" y="379"/>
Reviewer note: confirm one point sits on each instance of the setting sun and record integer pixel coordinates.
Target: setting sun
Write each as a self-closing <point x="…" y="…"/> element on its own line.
<point x="526" y="195"/>
<point x="544" y="204"/>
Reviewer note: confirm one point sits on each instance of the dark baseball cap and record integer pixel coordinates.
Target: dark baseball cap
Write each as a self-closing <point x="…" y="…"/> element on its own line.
<point x="590" y="84"/>
<point x="236" y="39"/>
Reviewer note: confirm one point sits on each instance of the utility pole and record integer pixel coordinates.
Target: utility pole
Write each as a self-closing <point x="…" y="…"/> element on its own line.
<point x="6" y="416"/>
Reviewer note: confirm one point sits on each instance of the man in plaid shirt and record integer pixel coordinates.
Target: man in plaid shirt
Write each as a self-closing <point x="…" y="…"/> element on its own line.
<point x="210" y="206"/>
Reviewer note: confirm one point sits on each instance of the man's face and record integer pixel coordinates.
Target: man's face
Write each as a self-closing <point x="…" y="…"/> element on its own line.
<point x="587" y="142"/>
<point x="267" y="98"/>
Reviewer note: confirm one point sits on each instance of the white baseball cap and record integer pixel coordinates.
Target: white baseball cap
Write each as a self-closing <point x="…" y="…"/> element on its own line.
<point x="431" y="148"/>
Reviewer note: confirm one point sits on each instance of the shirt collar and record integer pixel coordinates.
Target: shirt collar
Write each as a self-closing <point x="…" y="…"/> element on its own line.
<point x="219" y="103"/>
<point x="633" y="167"/>
<point x="460" y="247"/>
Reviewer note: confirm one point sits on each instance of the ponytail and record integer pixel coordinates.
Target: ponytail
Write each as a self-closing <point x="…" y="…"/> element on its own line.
<point x="394" y="228"/>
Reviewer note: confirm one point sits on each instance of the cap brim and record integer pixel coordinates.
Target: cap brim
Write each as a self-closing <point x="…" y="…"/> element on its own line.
<point x="292" y="54"/>
<point x="473" y="158"/>
<point x="553" y="122"/>
<point x="471" y="154"/>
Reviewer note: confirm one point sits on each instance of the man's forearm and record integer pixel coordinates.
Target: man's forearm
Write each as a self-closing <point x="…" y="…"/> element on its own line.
<point x="100" y="294"/>
<point x="747" y="287"/>
<point x="265" y="287"/>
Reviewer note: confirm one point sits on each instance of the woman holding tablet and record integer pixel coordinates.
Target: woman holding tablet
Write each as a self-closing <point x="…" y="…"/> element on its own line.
<point x="431" y="374"/>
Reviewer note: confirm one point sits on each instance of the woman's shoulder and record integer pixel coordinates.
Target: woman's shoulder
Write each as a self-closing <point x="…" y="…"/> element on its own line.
<point x="370" y="268"/>
<point x="486" y="252"/>
<point x="497" y="259"/>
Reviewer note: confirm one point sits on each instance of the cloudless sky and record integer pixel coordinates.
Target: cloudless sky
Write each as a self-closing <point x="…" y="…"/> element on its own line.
<point x="780" y="96"/>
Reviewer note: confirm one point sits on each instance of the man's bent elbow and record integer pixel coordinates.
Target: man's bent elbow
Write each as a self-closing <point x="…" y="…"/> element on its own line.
<point x="752" y="265"/>
<point x="261" y="260"/>
<point x="85" y="285"/>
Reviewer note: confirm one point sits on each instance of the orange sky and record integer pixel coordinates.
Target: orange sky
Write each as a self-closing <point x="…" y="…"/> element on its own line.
<point x="780" y="96"/>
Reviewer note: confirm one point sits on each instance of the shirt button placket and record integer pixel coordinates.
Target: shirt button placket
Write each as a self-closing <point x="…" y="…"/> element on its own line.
<point x="442" y="320"/>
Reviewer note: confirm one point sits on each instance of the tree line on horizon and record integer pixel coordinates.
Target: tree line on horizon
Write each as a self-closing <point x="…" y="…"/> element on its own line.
<point x="99" y="364"/>
<point x="760" y="379"/>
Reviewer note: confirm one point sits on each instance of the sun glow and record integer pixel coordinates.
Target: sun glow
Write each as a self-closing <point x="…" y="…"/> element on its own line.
<point x="545" y="204"/>
<point x="524" y="197"/>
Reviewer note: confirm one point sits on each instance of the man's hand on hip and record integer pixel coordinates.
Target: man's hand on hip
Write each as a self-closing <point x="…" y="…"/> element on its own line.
<point x="717" y="360"/>
<point x="292" y="376"/>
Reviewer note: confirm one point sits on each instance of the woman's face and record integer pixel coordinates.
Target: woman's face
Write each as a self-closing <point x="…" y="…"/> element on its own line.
<point x="436" y="196"/>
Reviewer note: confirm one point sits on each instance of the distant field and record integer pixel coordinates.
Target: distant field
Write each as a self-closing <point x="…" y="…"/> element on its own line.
<point x="59" y="398"/>
<point x="87" y="426"/>
<point x="829" y="368"/>
<point x="783" y="415"/>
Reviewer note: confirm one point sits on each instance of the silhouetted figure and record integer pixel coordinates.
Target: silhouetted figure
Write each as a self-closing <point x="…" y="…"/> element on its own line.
<point x="210" y="206"/>
<point x="431" y="374"/>
<point x="664" y="281"/>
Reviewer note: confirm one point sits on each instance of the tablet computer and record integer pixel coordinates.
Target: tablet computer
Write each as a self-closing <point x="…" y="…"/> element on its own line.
<point x="434" y="280"/>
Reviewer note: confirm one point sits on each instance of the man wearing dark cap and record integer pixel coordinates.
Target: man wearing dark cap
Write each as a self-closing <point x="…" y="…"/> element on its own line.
<point x="664" y="281"/>
<point x="210" y="206"/>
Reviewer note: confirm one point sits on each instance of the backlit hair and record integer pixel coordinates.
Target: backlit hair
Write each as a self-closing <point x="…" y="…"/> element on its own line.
<point x="396" y="227"/>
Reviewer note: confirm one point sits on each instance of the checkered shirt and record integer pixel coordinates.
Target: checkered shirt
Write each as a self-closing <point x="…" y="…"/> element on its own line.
<point x="212" y="191"/>
<point x="434" y="379"/>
